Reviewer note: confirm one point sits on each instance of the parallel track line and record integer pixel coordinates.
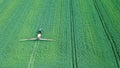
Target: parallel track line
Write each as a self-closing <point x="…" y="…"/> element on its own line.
<point x="32" y="57"/>
<point x="73" y="45"/>
<point x="113" y="44"/>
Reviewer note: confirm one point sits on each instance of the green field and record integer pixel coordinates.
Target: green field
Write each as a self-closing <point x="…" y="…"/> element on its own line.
<point x="86" y="33"/>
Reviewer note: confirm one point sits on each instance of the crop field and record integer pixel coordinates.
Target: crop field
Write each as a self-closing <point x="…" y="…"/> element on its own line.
<point x="85" y="33"/>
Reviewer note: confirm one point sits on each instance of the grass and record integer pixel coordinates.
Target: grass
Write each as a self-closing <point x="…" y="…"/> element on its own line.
<point x="86" y="33"/>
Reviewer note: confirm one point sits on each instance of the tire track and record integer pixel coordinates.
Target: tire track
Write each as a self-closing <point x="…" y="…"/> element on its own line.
<point x="107" y="32"/>
<point x="33" y="55"/>
<point x="73" y="44"/>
